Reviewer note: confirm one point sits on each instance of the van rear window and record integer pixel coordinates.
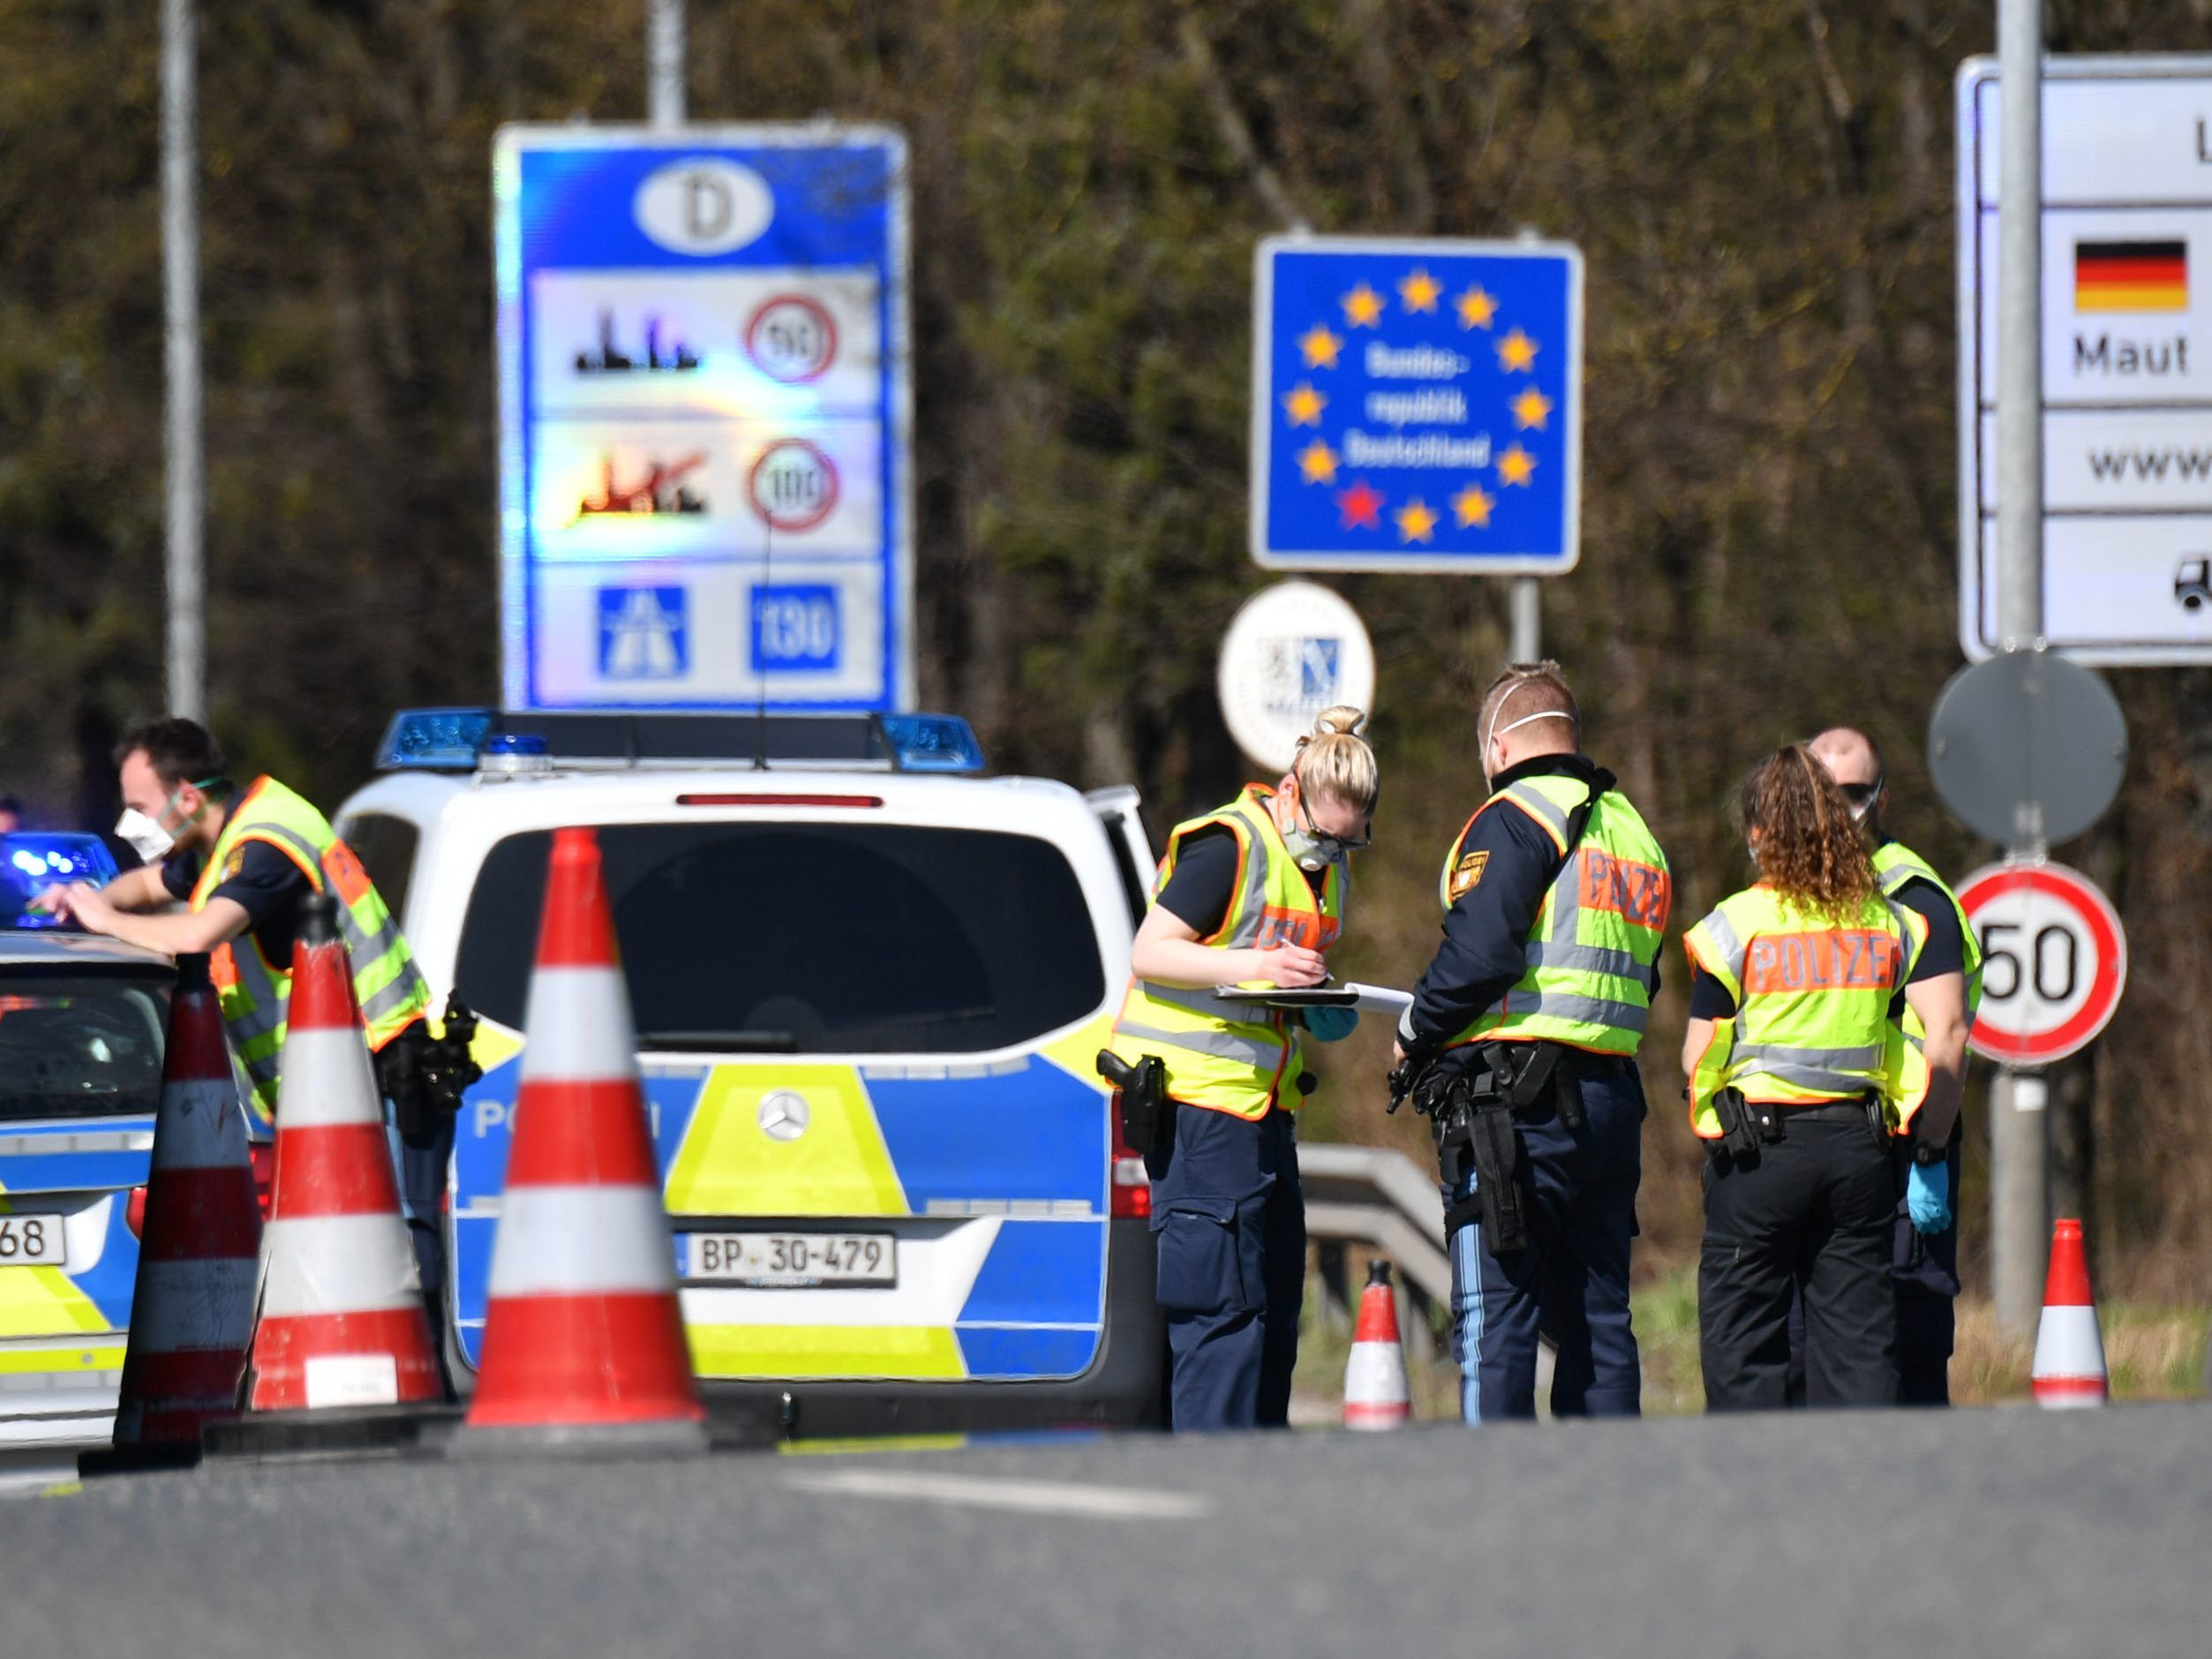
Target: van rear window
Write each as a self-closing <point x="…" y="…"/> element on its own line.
<point x="867" y="938"/>
<point x="74" y="1044"/>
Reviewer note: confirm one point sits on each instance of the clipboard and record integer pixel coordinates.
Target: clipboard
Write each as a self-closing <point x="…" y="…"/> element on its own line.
<point x="1367" y="999"/>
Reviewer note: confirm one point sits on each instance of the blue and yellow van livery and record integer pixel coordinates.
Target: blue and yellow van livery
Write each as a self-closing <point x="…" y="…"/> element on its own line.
<point x="82" y="1022"/>
<point x="869" y="991"/>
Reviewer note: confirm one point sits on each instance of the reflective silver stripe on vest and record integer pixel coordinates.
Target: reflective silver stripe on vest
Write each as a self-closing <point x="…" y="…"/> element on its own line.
<point x="1842" y="1071"/>
<point x="263" y="1071"/>
<point x="264" y="1016"/>
<point x="1894" y="878"/>
<point x="1731" y="945"/>
<point x="1590" y="958"/>
<point x="1220" y="1044"/>
<point x="1539" y="803"/>
<point x="404" y="990"/>
<point x="1554" y="1004"/>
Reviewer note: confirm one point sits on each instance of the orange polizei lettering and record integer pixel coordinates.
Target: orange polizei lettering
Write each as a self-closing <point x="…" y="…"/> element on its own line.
<point x="1641" y="893"/>
<point x="1838" y="959"/>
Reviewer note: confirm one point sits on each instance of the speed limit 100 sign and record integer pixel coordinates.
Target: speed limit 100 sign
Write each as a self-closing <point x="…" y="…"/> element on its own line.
<point x="2053" y="960"/>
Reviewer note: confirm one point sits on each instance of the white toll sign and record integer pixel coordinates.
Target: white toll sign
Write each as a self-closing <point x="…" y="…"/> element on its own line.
<point x="1294" y="650"/>
<point x="2054" y="960"/>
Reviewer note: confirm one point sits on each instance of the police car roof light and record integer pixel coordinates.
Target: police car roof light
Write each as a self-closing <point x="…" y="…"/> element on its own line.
<point x="933" y="743"/>
<point x="469" y="739"/>
<point x="32" y="860"/>
<point x="434" y="739"/>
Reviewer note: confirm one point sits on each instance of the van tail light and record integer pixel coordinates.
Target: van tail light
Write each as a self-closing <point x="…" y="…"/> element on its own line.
<point x="134" y="1212"/>
<point x="1129" y="1189"/>
<point x="263" y="1156"/>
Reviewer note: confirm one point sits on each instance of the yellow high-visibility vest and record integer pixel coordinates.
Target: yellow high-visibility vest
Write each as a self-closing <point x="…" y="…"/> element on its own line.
<point x="1222" y="1056"/>
<point x="1596" y="940"/>
<point x="1812" y="998"/>
<point x="255" y="992"/>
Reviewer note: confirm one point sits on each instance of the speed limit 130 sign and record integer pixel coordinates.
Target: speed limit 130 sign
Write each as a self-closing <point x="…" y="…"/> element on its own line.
<point x="2053" y="960"/>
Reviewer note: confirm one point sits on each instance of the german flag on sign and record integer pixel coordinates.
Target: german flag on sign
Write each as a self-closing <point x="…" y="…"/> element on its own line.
<point x="2131" y="277"/>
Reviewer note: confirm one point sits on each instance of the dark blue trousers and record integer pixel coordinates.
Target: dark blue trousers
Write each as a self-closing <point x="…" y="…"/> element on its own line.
<point x="1571" y="1284"/>
<point x="1924" y="1274"/>
<point x="1230" y="1220"/>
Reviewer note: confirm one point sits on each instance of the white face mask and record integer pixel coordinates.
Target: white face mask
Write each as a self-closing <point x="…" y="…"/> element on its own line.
<point x="146" y="838"/>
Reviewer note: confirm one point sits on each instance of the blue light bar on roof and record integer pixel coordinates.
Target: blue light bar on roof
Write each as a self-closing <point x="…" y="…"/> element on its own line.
<point x="933" y="743"/>
<point x="32" y="860"/>
<point x="434" y="740"/>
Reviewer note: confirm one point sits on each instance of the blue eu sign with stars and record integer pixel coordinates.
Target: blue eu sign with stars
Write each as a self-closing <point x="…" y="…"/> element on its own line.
<point x="1417" y="405"/>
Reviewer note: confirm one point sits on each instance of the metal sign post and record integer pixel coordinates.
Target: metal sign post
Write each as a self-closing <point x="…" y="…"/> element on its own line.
<point x="664" y="63"/>
<point x="184" y="459"/>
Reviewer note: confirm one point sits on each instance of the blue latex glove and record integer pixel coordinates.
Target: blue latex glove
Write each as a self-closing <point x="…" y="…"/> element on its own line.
<point x="1332" y="1025"/>
<point x="1928" y="1197"/>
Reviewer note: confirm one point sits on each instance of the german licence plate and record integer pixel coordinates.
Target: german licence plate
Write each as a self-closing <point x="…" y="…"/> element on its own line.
<point x="794" y="1260"/>
<point x="33" y="1241"/>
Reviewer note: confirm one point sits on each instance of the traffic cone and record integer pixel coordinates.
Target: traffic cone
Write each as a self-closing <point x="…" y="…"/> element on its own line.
<point x="583" y="1341"/>
<point x="191" y="1314"/>
<point x="2069" y="1352"/>
<point x="341" y="1317"/>
<point x="1374" y="1379"/>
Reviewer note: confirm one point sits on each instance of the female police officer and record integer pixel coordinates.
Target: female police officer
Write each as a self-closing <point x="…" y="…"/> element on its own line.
<point x="1251" y="894"/>
<point x="1796" y="1067"/>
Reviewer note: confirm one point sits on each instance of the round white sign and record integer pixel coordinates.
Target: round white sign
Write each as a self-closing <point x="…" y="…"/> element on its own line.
<point x="1294" y="650"/>
<point x="2054" y="960"/>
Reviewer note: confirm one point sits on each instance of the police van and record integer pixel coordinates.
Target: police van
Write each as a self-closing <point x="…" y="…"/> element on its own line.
<point x="869" y="985"/>
<point x="82" y="1024"/>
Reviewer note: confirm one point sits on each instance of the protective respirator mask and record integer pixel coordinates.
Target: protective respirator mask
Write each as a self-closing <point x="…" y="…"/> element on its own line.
<point x="145" y="836"/>
<point x="1304" y="850"/>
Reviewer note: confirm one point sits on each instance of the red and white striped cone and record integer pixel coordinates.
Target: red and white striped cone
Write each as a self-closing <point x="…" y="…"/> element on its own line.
<point x="1374" y="1379"/>
<point x="342" y="1323"/>
<point x="191" y="1313"/>
<point x="2069" y="1351"/>
<point x="583" y="1341"/>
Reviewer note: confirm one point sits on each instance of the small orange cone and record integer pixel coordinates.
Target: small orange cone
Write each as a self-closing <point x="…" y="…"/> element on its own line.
<point x="341" y="1318"/>
<point x="1374" y="1379"/>
<point x="2069" y="1352"/>
<point x="191" y="1314"/>
<point x="583" y="1341"/>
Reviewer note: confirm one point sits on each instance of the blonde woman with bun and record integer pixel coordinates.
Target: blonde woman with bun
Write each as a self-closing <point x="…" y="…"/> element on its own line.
<point x="1253" y="894"/>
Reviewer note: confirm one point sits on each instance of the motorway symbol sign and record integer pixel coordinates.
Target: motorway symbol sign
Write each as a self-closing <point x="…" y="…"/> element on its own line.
<point x="2127" y="377"/>
<point x="2028" y="747"/>
<point x="706" y="484"/>
<point x="2054" y="960"/>
<point x="1417" y="405"/>
<point x="1292" y="650"/>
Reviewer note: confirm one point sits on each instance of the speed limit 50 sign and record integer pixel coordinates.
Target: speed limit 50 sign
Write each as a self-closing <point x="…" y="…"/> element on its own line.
<point x="2053" y="960"/>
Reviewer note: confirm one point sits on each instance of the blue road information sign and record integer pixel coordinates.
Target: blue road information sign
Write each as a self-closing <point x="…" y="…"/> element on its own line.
<point x="1417" y="405"/>
<point x="705" y="483"/>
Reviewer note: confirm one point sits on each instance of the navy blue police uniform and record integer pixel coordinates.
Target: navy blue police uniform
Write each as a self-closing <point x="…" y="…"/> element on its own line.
<point x="1232" y="1310"/>
<point x="1571" y="1284"/>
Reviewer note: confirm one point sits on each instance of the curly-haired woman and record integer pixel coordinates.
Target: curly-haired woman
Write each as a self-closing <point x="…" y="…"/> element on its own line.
<point x="1795" y="1064"/>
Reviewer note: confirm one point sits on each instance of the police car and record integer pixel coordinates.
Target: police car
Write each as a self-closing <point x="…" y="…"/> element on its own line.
<point x="869" y="987"/>
<point x="82" y="1022"/>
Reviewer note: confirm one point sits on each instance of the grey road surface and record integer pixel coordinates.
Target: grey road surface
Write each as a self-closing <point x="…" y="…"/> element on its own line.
<point x="2006" y="1532"/>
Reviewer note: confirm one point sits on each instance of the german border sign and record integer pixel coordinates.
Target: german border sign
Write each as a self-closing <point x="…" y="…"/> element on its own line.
<point x="2054" y="960"/>
<point x="1292" y="650"/>
<point x="2127" y="379"/>
<point x="704" y="478"/>
<point x="1417" y="405"/>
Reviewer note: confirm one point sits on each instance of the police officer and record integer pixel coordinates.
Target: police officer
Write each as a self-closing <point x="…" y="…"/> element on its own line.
<point x="243" y="864"/>
<point x="1522" y="1033"/>
<point x="1797" y="1083"/>
<point x="1253" y="894"/>
<point x="1924" y="1263"/>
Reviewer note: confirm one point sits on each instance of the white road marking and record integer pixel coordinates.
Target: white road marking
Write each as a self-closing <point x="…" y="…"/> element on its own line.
<point x="1034" y="1497"/>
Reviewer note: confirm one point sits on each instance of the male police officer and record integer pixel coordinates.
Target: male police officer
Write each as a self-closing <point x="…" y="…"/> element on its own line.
<point x="1924" y="1267"/>
<point x="243" y="864"/>
<point x="1521" y="1043"/>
